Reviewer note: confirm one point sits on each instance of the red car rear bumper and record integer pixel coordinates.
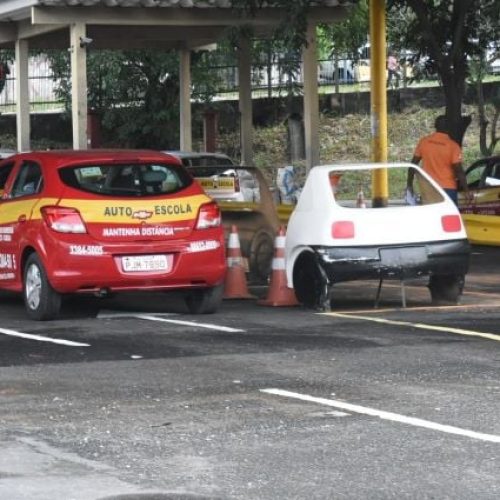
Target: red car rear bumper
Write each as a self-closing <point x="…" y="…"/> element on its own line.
<point x="84" y="266"/>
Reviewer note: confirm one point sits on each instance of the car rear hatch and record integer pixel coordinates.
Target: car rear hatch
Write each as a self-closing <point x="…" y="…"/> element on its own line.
<point x="423" y="214"/>
<point x="129" y="202"/>
<point x="393" y="226"/>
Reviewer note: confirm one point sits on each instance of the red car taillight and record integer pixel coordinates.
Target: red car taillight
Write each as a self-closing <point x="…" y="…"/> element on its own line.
<point x="208" y="216"/>
<point x="343" y="229"/>
<point x="63" y="220"/>
<point x="451" y="223"/>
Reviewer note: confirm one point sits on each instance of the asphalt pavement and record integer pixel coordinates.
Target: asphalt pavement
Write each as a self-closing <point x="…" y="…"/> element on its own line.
<point x="133" y="398"/>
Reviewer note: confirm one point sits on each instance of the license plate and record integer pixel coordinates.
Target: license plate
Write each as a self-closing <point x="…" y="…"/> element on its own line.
<point x="403" y="256"/>
<point x="145" y="263"/>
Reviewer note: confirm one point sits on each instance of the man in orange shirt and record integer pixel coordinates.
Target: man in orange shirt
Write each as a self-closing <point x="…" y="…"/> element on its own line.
<point x="442" y="159"/>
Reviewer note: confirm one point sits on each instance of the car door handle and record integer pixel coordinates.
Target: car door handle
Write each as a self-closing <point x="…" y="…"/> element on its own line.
<point x="21" y="218"/>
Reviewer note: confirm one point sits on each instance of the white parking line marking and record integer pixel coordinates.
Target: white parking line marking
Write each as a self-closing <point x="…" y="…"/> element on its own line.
<point x="29" y="336"/>
<point x="107" y="314"/>
<point x="189" y="323"/>
<point x="385" y="415"/>
<point x="422" y="326"/>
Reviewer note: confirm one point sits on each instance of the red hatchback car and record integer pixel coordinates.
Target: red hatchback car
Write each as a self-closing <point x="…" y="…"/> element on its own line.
<point x="103" y="221"/>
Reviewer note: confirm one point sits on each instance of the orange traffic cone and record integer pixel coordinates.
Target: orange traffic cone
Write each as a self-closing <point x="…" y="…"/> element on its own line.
<point x="279" y="294"/>
<point x="235" y="285"/>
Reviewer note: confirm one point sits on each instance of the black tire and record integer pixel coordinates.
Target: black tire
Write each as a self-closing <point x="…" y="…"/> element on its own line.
<point x="41" y="301"/>
<point x="204" y="300"/>
<point x="311" y="287"/>
<point x="261" y="257"/>
<point x="446" y="288"/>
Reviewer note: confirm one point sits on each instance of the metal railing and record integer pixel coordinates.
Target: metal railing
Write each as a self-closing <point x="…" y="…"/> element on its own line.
<point x="275" y="77"/>
<point x="42" y="87"/>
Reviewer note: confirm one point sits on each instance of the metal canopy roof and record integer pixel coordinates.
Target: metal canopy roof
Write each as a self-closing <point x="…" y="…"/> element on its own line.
<point x="127" y="24"/>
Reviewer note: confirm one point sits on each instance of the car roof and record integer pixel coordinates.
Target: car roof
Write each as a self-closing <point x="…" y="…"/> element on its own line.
<point x="68" y="156"/>
<point x="486" y="159"/>
<point x="221" y="167"/>
<point x="190" y="154"/>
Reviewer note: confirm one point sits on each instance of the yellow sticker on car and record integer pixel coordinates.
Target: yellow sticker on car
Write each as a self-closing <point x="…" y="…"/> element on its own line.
<point x="222" y="183"/>
<point x="138" y="211"/>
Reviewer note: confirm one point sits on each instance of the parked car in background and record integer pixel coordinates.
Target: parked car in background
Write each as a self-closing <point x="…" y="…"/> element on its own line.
<point x="335" y="234"/>
<point x="245" y="200"/>
<point x="106" y="221"/>
<point x="191" y="159"/>
<point x="346" y="72"/>
<point x="481" y="212"/>
<point x="5" y="153"/>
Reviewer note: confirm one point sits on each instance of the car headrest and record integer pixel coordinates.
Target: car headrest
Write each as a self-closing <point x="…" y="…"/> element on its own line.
<point x="154" y="176"/>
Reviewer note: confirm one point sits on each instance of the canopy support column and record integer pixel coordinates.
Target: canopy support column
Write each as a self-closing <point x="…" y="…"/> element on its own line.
<point x="22" y="97"/>
<point x="186" y="138"/>
<point x="311" y="98"/>
<point x="79" y="85"/>
<point x="378" y="100"/>
<point x="245" y="103"/>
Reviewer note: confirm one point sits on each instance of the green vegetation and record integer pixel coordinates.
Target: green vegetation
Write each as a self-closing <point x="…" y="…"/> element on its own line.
<point x="342" y="139"/>
<point x="347" y="139"/>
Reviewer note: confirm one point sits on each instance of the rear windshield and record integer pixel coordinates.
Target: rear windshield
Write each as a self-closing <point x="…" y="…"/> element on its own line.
<point x="353" y="188"/>
<point x="130" y="179"/>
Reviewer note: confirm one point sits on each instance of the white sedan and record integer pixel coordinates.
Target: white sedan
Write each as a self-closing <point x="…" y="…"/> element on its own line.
<point x="337" y="234"/>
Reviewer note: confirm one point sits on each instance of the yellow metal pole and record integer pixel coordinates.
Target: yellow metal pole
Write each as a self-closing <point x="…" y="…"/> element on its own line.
<point x="378" y="100"/>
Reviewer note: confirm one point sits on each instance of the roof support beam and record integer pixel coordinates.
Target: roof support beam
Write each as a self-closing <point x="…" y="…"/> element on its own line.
<point x="8" y="32"/>
<point x="168" y="17"/>
<point x="311" y="102"/>
<point x="245" y="101"/>
<point x="186" y="142"/>
<point x="22" y="97"/>
<point x="27" y="30"/>
<point x="78" y="86"/>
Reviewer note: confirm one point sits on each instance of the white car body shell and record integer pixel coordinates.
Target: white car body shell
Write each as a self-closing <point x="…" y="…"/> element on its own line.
<point x="311" y="222"/>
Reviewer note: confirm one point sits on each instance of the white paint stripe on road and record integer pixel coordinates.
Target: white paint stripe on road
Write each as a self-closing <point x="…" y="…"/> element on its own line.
<point x="189" y="323"/>
<point x="29" y="336"/>
<point x="422" y="326"/>
<point x="385" y="415"/>
<point x="109" y="314"/>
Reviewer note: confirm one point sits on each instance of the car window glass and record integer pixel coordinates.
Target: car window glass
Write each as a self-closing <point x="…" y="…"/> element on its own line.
<point x="475" y="175"/>
<point x="353" y="188"/>
<point x="206" y="161"/>
<point x="495" y="170"/>
<point x="214" y="160"/>
<point x="492" y="178"/>
<point x="491" y="182"/>
<point x="4" y="175"/>
<point x="126" y="179"/>
<point x="29" y="180"/>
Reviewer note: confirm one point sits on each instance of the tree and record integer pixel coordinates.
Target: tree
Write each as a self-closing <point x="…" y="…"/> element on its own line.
<point x="447" y="34"/>
<point x="136" y="92"/>
<point x="346" y="37"/>
<point x="488" y="116"/>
